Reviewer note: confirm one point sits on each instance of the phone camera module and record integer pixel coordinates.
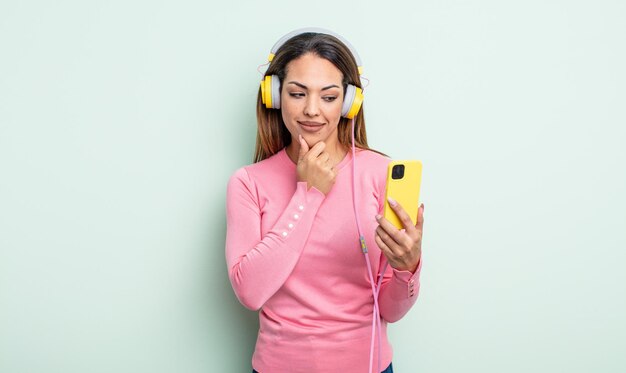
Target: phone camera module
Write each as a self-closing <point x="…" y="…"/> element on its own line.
<point x="397" y="172"/>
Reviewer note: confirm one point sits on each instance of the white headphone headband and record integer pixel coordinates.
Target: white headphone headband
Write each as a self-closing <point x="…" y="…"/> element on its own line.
<point x="317" y="30"/>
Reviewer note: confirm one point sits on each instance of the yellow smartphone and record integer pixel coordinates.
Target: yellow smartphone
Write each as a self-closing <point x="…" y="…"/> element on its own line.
<point x="404" y="179"/>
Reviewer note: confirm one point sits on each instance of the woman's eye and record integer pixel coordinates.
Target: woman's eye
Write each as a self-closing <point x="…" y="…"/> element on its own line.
<point x="330" y="98"/>
<point x="296" y="94"/>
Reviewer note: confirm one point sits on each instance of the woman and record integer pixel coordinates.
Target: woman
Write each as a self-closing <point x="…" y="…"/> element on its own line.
<point x="292" y="245"/>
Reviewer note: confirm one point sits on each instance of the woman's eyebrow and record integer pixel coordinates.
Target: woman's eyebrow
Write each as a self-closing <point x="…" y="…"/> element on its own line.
<point x="305" y="87"/>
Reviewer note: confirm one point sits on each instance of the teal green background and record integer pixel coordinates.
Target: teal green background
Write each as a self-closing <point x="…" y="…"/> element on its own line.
<point x="121" y="121"/>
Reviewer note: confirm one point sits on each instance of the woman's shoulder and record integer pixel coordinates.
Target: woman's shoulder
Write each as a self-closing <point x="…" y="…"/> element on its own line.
<point x="372" y="165"/>
<point x="266" y="168"/>
<point x="372" y="157"/>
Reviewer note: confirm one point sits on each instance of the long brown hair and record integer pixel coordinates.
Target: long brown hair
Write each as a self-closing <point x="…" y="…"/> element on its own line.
<point x="272" y="134"/>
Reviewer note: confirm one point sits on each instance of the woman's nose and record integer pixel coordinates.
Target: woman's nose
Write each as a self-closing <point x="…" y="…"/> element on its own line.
<point x="311" y="108"/>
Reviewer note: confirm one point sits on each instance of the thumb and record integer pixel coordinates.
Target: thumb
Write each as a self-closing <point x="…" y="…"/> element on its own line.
<point x="304" y="147"/>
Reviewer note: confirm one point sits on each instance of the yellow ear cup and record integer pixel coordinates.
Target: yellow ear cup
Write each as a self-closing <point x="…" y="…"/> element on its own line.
<point x="356" y="104"/>
<point x="266" y="91"/>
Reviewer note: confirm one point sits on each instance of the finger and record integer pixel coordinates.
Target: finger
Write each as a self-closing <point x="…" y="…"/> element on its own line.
<point x="304" y="147"/>
<point x="419" y="226"/>
<point x="398" y="240"/>
<point x="324" y="157"/>
<point x="398" y="236"/>
<point x="389" y="241"/>
<point x="407" y="223"/>
<point x="420" y="218"/>
<point x="316" y="150"/>
<point x="384" y="248"/>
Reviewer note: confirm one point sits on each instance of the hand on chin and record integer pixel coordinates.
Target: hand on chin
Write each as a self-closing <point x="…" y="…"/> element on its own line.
<point x="312" y="139"/>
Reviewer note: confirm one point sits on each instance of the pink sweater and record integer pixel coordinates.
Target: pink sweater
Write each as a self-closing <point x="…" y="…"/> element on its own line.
<point x="294" y="254"/>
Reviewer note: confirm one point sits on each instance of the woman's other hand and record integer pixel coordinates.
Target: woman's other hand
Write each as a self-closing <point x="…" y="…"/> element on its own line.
<point x="402" y="247"/>
<point x="314" y="167"/>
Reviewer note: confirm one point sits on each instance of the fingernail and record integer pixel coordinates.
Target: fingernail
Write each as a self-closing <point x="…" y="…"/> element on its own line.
<point x="392" y="201"/>
<point x="378" y="217"/>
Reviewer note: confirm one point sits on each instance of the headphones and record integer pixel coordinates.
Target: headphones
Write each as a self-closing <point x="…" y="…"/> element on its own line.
<point x="270" y="85"/>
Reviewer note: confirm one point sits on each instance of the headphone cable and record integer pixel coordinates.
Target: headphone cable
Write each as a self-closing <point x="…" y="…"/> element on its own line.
<point x="375" y="286"/>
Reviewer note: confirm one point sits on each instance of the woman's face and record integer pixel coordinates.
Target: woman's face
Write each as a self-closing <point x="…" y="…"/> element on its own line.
<point x="311" y="100"/>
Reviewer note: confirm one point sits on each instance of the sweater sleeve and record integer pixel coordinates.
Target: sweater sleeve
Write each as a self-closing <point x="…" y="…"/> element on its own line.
<point x="258" y="265"/>
<point x="399" y="291"/>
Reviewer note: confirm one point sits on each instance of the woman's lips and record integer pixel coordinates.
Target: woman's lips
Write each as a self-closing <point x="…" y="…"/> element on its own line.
<point x="310" y="126"/>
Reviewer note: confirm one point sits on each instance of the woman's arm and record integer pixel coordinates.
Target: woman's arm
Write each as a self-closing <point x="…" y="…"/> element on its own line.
<point x="259" y="265"/>
<point x="403" y="250"/>
<point x="399" y="291"/>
